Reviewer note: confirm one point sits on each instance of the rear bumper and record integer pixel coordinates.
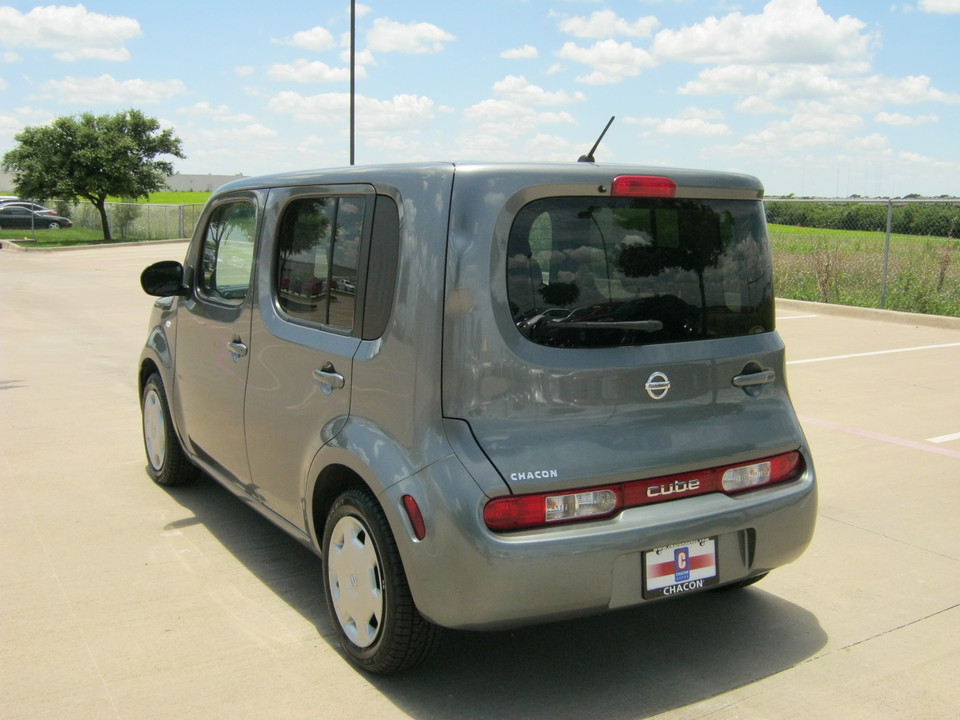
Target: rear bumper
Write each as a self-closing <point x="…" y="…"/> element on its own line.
<point x="464" y="576"/>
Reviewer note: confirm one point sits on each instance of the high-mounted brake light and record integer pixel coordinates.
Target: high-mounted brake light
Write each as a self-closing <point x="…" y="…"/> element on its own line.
<point x="525" y="512"/>
<point x="643" y="186"/>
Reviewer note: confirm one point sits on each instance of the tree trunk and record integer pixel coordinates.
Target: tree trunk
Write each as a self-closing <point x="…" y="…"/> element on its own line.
<point x="101" y="205"/>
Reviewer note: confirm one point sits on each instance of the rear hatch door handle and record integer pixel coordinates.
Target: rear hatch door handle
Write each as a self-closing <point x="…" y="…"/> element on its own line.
<point x="755" y="378"/>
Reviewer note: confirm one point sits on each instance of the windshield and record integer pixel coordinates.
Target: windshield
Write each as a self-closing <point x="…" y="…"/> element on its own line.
<point x="588" y="272"/>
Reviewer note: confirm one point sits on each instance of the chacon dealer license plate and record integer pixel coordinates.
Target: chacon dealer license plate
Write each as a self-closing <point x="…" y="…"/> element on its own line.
<point x="681" y="568"/>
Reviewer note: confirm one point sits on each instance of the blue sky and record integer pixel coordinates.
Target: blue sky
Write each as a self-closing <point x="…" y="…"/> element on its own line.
<point x="815" y="97"/>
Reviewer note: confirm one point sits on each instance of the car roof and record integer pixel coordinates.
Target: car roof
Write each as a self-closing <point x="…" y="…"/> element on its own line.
<point x="568" y="172"/>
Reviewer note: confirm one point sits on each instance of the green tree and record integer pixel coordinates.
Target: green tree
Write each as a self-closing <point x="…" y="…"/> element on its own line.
<point x="92" y="157"/>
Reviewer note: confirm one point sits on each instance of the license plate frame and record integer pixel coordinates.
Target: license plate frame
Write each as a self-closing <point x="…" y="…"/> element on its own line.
<point x="680" y="568"/>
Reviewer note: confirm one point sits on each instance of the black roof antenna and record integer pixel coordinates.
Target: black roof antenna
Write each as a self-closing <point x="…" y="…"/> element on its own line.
<point x="589" y="156"/>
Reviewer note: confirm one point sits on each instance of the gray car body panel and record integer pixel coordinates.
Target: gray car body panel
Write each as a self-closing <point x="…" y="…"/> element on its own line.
<point x="450" y="402"/>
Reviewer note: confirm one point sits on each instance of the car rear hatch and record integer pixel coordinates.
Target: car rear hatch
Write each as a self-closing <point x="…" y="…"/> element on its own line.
<point x="605" y="332"/>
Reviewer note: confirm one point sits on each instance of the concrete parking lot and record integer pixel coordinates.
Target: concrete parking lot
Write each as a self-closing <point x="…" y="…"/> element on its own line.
<point x="121" y="599"/>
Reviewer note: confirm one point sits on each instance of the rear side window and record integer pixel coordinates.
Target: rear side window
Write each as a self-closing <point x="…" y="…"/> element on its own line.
<point x="319" y="251"/>
<point x="589" y="272"/>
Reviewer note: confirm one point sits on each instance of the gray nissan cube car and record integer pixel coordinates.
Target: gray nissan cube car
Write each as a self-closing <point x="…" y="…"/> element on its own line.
<point x="487" y="395"/>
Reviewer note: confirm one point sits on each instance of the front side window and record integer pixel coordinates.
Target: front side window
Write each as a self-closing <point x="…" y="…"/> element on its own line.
<point x="227" y="254"/>
<point x="319" y="250"/>
<point x="588" y="272"/>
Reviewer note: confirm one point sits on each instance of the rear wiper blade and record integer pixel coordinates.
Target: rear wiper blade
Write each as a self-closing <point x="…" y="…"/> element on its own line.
<point x="641" y="325"/>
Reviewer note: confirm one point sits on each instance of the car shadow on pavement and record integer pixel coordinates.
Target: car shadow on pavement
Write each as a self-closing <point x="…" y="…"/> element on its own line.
<point x="630" y="663"/>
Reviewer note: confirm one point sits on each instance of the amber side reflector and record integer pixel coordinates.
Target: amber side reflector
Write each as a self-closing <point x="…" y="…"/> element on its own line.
<point x="643" y="186"/>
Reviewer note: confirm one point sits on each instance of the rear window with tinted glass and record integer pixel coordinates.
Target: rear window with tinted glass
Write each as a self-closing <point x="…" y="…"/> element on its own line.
<point x="591" y="272"/>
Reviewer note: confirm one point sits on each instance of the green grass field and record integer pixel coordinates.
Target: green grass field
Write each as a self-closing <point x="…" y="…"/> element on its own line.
<point x="846" y="268"/>
<point x="171" y="198"/>
<point x="54" y="238"/>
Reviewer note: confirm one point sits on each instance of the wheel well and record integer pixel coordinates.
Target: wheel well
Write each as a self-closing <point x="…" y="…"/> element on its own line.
<point x="146" y="370"/>
<point x="333" y="481"/>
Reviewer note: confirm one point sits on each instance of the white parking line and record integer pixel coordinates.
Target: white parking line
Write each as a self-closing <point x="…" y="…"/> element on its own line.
<point x="870" y="354"/>
<point x="795" y="317"/>
<point x="944" y="438"/>
<point x="880" y="437"/>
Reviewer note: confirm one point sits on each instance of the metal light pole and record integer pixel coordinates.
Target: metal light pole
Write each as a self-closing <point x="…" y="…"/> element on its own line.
<point x="353" y="74"/>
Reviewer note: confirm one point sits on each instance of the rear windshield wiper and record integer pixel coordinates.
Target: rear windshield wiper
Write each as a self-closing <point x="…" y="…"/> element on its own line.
<point x="641" y="325"/>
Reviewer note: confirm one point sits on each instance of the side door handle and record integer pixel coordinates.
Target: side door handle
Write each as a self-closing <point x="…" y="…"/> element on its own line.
<point x="237" y="349"/>
<point x="329" y="378"/>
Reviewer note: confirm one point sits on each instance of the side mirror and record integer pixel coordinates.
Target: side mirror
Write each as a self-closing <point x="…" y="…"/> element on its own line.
<point x="164" y="278"/>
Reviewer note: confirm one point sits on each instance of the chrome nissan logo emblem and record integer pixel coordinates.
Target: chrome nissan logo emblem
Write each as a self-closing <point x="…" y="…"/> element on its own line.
<point x="657" y="386"/>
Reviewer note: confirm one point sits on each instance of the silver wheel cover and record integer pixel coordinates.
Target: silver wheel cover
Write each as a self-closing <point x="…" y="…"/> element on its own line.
<point x="154" y="430"/>
<point x="355" y="578"/>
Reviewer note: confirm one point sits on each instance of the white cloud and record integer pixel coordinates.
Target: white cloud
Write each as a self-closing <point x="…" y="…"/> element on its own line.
<point x="786" y="31"/>
<point x="940" y="6"/>
<point x="514" y="117"/>
<point x="305" y="71"/>
<point x="809" y="128"/>
<point x="901" y="91"/>
<point x="220" y="112"/>
<point x="362" y="58"/>
<point x="247" y="133"/>
<point x="9" y="125"/>
<point x="73" y="32"/>
<point x="606" y="23"/>
<point x="107" y="90"/>
<point x="900" y="120"/>
<point x="399" y="114"/>
<point x="318" y="39"/>
<point x="792" y="82"/>
<point x="697" y="127"/>
<point x="509" y="117"/>
<point x="918" y="159"/>
<point x="11" y="57"/>
<point x="527" y="52"/>
<point x="692" y="121"/>
<point x="772" y="90"/>
<point x="611" y="61"/>
<point x="413" y="38"/>
<point x="516" y="88"/>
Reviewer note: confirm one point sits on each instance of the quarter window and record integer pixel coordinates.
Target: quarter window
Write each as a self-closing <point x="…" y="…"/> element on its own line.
<point x="319" y="249"/>
<point x="227" y="254"/>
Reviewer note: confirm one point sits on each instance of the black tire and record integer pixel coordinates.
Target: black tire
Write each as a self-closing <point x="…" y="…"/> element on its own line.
<point x="167" y="464"/>
<point x="366" y="589"/>
<point x="53" y="225"/>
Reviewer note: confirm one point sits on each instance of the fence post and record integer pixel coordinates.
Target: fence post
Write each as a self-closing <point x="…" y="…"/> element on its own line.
<point x="886" y="254"/>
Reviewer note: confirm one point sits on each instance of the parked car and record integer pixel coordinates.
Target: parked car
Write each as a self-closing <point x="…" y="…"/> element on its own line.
<point x="557" y="390"/>
<point x="29" y="206"/>
<point x="21" y="217"/>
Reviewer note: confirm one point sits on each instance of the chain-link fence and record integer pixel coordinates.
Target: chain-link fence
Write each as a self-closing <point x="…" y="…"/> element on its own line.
<point x="893" y="254"/>
<point x="135" y="221"/>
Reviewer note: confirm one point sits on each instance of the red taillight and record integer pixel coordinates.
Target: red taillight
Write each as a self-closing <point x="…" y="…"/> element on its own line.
<point x="643" y="186"/>
<point x="524" y="512"/>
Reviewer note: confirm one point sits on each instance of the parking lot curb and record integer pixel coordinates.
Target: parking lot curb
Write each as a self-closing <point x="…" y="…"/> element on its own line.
<point x="15" y="245"/>
<point x="944" y="322"/>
